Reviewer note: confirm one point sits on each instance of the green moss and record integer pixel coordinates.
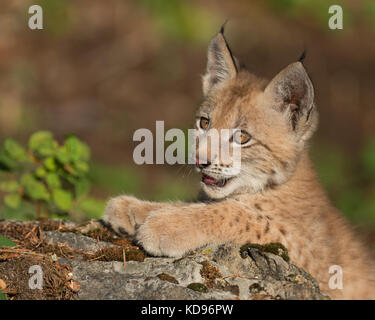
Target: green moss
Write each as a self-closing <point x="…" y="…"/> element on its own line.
<point x="200" y="287"/>
<point x="273" y="247"/>
<point x="244" y="250"/>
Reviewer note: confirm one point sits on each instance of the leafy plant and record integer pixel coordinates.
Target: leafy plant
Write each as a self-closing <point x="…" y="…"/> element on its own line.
<point x="5" y="242"/>
<point x="50" y="176"/>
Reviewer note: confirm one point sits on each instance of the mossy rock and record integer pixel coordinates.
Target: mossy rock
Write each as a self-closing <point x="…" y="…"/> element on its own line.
<point x="291" y="277"/>
<point x="255" y="288"/>
<point x="199" y="287"/>
<point x="273" y="247"/>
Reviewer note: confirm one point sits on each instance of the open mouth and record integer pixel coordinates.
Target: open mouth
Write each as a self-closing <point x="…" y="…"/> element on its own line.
<point x="210" y="181"/>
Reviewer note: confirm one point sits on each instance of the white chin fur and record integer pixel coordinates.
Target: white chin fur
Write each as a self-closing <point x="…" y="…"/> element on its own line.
<point x="253" y="184"/>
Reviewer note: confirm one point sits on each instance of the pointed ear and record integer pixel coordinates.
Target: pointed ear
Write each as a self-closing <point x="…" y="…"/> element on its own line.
<point x="221" y="65"/>
<point x="291" y="91"/>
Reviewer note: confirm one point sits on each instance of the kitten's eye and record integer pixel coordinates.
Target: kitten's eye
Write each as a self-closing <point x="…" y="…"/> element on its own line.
<point x="204" y="123"/>
<point x="241" y="137"/>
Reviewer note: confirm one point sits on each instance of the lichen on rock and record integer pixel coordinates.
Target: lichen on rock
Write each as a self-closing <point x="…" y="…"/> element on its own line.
<point x="272" y="247"/>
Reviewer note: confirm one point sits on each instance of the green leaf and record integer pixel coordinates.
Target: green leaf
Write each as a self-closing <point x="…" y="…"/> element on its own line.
<point x="5" y="242"/>
<point x="67" y="176"/>
<point x="74" y="151"/>
<point x="9" y="186"/>
<point x="71" y="170"/>
<point x="53" y="181"/>
<point x="34" y="188"/>
<point x="2" y="296"/>
<point x="12" y="200"/>
<point x="63" y="155"/>
<point x="6" y="162"/>
<point x="15" y="151"/>
<point x="40" y="172"/>
<point x="42" y="143"/>
<point x="77" y="149"/>
<point x="63" y="199"/>
<point x="50" y="164"/>
<point x="81" y="166"/>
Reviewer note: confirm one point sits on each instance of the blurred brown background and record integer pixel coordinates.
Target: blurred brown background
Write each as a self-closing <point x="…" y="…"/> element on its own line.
<point x="102" y="69"/>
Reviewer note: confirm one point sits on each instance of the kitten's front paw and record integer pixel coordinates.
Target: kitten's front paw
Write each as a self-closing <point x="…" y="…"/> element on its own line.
<point x="122" y="214"/>
<point x="165" y="234"/>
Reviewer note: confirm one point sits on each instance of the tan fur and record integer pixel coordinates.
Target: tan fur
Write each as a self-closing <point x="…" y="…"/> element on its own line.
<point x="275" y="198"/>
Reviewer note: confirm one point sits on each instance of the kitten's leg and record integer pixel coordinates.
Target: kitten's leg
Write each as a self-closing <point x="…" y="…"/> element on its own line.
<point x="173" y="231"/>
<point x="125" y="213"/>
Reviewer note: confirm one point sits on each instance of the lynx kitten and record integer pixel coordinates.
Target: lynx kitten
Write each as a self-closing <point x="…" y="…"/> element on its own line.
<point x="276" y="196"/>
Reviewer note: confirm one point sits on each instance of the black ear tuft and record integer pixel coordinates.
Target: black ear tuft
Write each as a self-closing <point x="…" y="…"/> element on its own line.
<point x="221" y="65"/>
<point x="303" y="56"/>
<point x="223" y="27"/>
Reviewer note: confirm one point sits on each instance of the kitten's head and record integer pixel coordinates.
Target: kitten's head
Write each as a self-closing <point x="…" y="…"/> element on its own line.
<point x="274" y="121"/>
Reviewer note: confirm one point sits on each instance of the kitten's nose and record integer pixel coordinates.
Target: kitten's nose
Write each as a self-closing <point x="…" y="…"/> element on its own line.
<point x="201" y="165"/>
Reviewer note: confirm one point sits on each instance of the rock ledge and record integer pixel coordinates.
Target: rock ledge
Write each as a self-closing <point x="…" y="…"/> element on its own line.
<point x="212" y="272"/>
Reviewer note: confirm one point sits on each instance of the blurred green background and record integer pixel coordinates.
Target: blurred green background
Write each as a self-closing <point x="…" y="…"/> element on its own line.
<point x="102" y="69"/>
